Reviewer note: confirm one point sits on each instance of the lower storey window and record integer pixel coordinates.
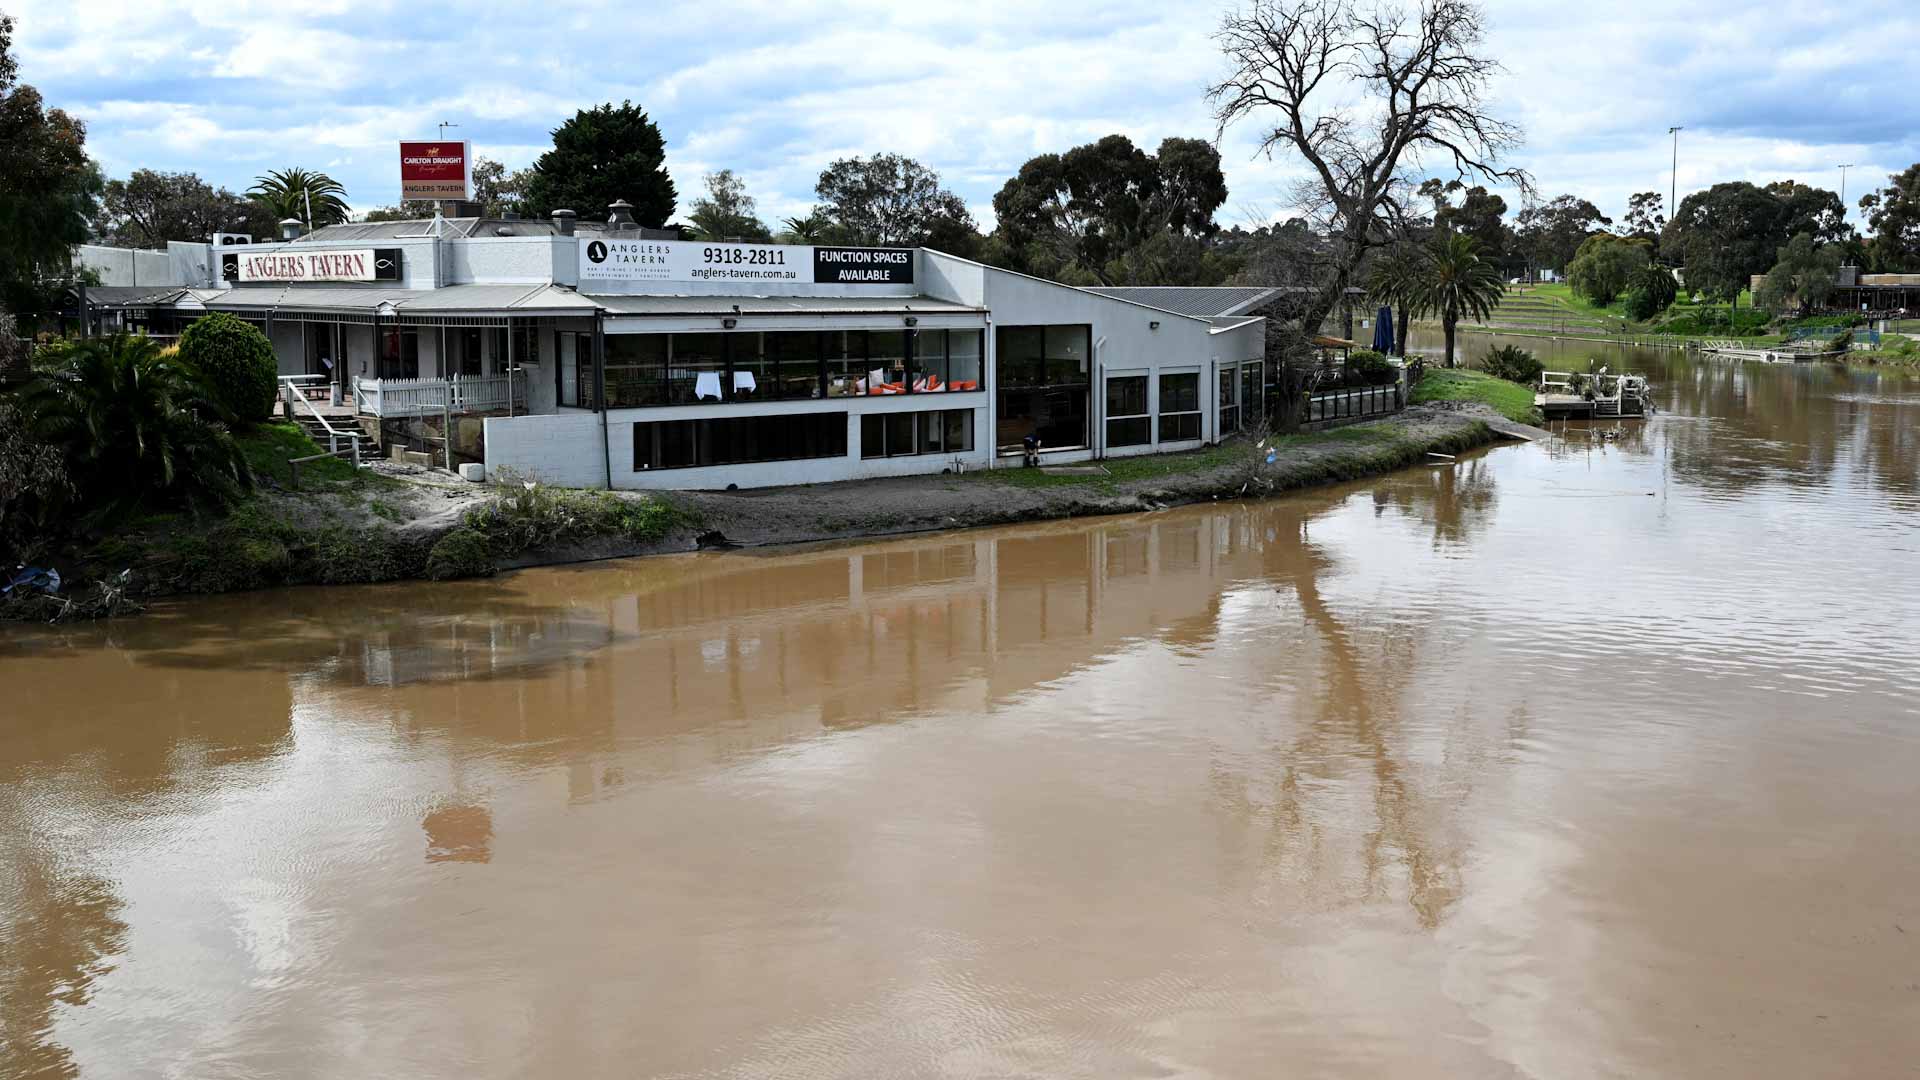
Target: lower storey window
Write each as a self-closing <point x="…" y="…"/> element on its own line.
<point x="738" y="440"/>
<point x="948" y="431"/>
<point x="1180" y="407"/>
<point x="1127" y="421"/>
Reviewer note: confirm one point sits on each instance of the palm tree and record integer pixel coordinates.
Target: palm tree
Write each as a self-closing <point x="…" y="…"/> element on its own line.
<point x="137" y="428"/>
<point x="313" y="197"/>
<point x="811" y="229"/>
<point x="1455" y="281"/>
<point x="1395" y="282"/>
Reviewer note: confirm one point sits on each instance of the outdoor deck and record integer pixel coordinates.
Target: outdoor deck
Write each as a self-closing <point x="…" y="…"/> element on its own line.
<point x="1564" y="396"/>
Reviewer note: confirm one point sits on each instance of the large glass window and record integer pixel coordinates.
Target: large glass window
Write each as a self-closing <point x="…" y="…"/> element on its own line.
<point x="696" y="369"/>
<point x="793" y="358"/>
<point x="1044" y="386"/>
<point x="944" y="431"/>
<point x="1128" y="420"/>
<point x="1180" y="407"/>
<point x="636" y="370"/>
<point x="846" y="360"/>
<point x="945" y="361"/>
<point x="929" y="361"/>
<point x="963" y="360"/>
<point x="887" y="362"/>
<point x="1229" y="401"/>
<point x="738" y="440"/>
<point x="1253" y="393"/>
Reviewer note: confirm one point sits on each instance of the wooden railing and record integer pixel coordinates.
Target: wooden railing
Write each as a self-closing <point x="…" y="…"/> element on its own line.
<point x="433" y="397"/>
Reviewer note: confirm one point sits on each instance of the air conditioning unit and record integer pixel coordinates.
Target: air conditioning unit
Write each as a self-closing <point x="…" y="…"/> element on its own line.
<point x="228" y="239"/>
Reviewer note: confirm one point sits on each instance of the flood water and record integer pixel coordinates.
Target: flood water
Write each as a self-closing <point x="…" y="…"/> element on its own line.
<point x="1582" y="758"/>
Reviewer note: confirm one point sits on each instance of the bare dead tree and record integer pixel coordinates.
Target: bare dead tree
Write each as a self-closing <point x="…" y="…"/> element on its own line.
<point x="1420" y="101"/>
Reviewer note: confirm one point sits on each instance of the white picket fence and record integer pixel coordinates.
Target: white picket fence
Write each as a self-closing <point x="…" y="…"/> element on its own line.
<point x="432" y="397"/>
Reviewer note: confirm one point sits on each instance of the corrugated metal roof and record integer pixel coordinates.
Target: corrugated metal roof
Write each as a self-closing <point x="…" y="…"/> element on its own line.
<point x="464" y="299"/>
<point x="131" y="295"/>
<point x="459" y="227"/>
<point x="1198" y="301"/>
<point x="778" y="305"/>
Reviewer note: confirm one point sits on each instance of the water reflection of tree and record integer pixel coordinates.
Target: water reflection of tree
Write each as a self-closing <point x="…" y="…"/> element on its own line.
<point x="1457" y="500"/>
<point x="1351" y="716"/>
<point x="62" y="930"/>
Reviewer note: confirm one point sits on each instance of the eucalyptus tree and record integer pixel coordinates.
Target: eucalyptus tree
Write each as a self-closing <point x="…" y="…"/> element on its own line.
<point x="1362" y="93"/>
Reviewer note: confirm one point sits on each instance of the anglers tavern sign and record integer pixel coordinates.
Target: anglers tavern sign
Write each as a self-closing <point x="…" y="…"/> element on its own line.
<point x="338" y="264"/>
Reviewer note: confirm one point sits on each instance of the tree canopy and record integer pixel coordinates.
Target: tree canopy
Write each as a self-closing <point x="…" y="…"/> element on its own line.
<point x="1361" y="93"/>
<point x="1893" y="213"/>
<point x="726" y="212"/>
<point x="601" y="155"/>
<point x="1552" y="232"/>
<point x="150" y="208"/>
<point x="1730" y="233"/>
<point x="1804" y="274"/>
<point x="1479" y="214"/>
<point x="1646" y="216"/>
<point x="891" y="201"/>
<point x="48" y="186"/>
<point x="1112" y="212"/>
<point x="1605" y="266"/>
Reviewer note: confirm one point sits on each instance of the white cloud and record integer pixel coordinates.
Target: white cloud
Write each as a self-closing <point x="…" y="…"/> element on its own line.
<point x="775" y="91"/>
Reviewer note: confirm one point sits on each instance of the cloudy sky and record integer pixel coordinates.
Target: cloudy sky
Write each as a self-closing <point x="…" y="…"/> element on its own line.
<point x="230" y="88"/>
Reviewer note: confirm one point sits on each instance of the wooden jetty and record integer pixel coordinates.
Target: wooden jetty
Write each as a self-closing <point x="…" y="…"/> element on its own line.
<point x="1565" y="395"/>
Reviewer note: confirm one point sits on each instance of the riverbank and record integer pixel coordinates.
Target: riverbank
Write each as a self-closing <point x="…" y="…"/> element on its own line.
<point x="396" y="523"/>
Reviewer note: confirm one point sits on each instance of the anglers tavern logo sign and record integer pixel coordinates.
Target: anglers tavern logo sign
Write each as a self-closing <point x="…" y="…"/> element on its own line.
<point x="766" y="265"/>
<point x="434" y="170"/>
<point x="336" y="264"/>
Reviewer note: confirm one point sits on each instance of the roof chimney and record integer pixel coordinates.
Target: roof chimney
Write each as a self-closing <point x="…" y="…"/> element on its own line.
<point x="620" y="214"/>
<point x="563" y="222"/>
<point x="290" y="229"/>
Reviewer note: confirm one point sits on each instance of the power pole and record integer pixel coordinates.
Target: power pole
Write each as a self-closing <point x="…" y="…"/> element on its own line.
<point x="1843" y="191"/>
<point x="1673" y="193"/>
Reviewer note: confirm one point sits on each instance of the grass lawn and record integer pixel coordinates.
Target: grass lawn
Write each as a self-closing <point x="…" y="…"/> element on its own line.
<point x="1123" y="470"/>
<point x="1511" y="400"/>
<point x="268" y="447"/>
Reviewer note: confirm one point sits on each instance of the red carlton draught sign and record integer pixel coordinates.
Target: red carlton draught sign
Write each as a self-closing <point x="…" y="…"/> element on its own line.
<point x="434" y="170"/>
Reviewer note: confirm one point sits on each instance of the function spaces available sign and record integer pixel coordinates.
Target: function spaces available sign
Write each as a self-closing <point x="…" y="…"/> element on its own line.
<point x="434" y="170"/>
<point x="335" y="264"/>
<point x="604" y="259"/>
<point x="863" y="266"/>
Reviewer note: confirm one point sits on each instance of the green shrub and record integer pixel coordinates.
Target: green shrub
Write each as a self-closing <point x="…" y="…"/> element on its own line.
<point x="136" y="427"/>
<point x="1368" y="368"/>
<point x="236" y="362"/>
<point x="1641" y="305"/>
<point x="1715" y="320"/>
<point x="529" y="515"/>
<point x="462" y="553"/>
<point x="1841" y="342"/>
<point x="1511" y="363"/>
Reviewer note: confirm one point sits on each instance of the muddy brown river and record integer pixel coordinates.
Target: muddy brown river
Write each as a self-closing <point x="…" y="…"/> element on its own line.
<point x="1590" y="758"/>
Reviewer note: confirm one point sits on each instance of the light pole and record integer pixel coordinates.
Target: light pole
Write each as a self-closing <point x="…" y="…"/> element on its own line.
<point x="1673" y="193"/>
<point x="444" y="125"/>
<point x="1843" y="191"/>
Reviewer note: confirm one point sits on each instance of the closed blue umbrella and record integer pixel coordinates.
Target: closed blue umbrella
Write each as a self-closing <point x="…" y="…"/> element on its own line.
<point x="1383" y="332"/>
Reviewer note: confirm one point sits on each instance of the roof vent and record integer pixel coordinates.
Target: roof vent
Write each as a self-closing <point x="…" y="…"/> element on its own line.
<point x="620" y="214"/>
<point x="503" y="230"/>
<point x="563" y="222"/>
<point x="290" y="229"/>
